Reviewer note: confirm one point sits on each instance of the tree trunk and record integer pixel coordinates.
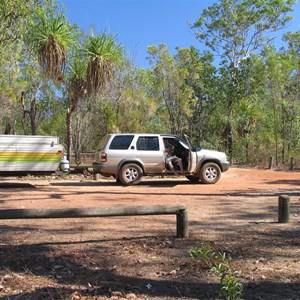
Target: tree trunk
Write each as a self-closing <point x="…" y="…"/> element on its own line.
<point x="31" y="113"/>
<point x="69" y="133"/>
<point x="74" y="102"/>
<point x="275" y="124"/>
<point x="232" y="96"/>
<point x="229" y="131"/>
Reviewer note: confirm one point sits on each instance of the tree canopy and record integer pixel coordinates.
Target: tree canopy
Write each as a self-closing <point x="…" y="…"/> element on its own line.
<point x="57" y="80"/>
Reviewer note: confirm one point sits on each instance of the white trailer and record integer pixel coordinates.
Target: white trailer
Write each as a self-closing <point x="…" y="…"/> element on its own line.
<point x="29" y="154"/>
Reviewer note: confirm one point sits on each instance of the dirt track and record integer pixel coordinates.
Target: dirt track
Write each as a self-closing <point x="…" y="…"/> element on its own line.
<point x="128" y="255"/>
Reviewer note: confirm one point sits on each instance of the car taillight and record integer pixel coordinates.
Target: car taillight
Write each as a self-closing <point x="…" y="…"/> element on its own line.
<point x="104" y="157"/>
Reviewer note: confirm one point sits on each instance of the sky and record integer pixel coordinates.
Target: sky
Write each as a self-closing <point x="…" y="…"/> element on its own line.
<point x="138" y="24"/>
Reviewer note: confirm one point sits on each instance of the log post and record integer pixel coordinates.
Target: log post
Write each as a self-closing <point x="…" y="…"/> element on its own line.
<point x="292" y="165"/>
<point x="283" y="209"/>
<point x="182" y="223"/>
<point x="271" y="163"/>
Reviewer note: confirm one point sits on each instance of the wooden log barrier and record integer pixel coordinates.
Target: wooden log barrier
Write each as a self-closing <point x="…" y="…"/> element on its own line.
<point x="283" y="209"/>
<point x="179" y="210"/>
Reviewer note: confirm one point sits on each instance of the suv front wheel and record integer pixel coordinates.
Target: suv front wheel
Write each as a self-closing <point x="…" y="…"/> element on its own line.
<point x="210" y="173"/>
<point x="130" y="174"/>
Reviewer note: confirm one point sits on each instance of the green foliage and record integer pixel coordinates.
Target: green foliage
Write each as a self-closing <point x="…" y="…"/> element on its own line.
<point x="54" y="121"/>
<point x="16" y="17"/>
<point x="76" y="80"/>
<point x="104" y="45"/>
<point x="253" y="99"/>
<point x="217" y="262"/>
<point x="173" y="78"/>
<point x="52" y="38"/>
<point x="104" y="52"/>
<point x="235" y="29"/>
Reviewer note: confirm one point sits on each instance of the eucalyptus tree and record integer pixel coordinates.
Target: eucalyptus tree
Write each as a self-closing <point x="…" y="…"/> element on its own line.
<point x="16" y="20"/>
<point x="189" y="59"/>
<point x="130" y="100"/>
<point x="205" y="91"/>
<point x="293" y="50"/>
<point x="170" y="87"/>
<point x="234" y="29"/>
<point x="37" y="100"/>
<point x="291" y="106"/>
<point x="280" y="84"/>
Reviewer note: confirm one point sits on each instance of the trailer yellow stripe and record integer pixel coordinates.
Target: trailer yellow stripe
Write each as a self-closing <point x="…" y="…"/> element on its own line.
<point x="30" y="156"/>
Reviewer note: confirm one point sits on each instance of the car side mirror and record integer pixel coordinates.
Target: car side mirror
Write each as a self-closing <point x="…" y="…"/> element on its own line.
<point x="197" y="148"/>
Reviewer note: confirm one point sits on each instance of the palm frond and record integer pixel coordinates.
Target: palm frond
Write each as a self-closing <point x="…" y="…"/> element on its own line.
<point x="104" y="52"/>
<point x="53" y="38"/>
<point x="77" y="87"/>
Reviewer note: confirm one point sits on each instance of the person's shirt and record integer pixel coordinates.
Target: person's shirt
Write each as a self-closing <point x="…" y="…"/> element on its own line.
<point x="169" y="150"/>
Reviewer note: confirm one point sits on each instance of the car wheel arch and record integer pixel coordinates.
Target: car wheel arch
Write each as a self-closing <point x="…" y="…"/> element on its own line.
<point x="206" y="161"/>
<point x="128" y="161"/>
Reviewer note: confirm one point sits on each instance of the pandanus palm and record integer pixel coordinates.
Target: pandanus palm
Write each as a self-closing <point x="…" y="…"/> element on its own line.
<point x="53" y="38"/>
<point x="103" y="52"/>
<point x="88" y="79"/>
<point x="76" y="91"/>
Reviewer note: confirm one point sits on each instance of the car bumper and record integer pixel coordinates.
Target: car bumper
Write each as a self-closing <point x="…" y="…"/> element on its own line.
<point x="104" y="169"/>
<point x="225" y="166"/>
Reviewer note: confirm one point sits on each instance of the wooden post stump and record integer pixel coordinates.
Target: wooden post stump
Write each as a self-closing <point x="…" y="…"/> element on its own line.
<point x="96" y="176"/>
<point x="182" y="223"/>
<point x="271" y="163"/>
<point x="283" y="209"/>
<point x="292" y="164"/>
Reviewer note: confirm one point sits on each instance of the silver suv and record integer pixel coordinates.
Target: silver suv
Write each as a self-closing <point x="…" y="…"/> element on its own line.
<point x="130" y="156"/>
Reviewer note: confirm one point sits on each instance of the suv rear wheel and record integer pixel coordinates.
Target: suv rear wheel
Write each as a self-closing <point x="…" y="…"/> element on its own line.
<point x="210" y="173"/>
<point x="130" y="174"/>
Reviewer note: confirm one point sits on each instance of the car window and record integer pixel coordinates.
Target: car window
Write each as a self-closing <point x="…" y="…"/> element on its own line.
<point x="121" y="142"/>
<point x="103" y="142"/>
<point x="148" y="143"/>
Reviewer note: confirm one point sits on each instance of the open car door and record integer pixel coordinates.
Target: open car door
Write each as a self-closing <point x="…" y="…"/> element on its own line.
<point x="192" y="159"/>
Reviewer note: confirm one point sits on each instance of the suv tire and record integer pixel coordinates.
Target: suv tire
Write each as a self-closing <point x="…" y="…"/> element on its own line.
<point x="210" y="173"/>
<point x="130" y="174"/>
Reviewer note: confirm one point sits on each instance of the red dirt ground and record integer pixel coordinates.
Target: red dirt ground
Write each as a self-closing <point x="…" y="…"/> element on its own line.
<point x="140" y="257"/>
